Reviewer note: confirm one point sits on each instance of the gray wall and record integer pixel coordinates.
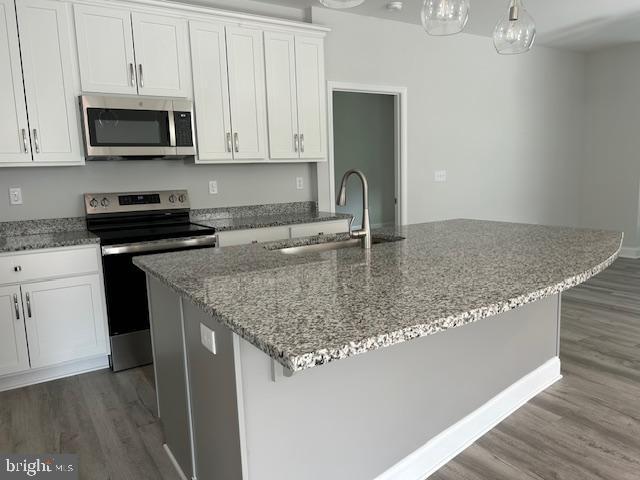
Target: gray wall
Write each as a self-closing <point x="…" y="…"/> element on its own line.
<point x="363" y="133"/>
<point x="611" y="177"/>
<point x="508" y="129"/>
<point x="57" y="191"/>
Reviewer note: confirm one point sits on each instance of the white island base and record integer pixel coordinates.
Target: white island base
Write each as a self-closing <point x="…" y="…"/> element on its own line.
<point x="396" y="413"/>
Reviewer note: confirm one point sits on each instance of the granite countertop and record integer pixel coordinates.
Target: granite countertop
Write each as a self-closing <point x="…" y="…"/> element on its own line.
<point x="309" y="309"/>
<point x="268" y="220"/>
<point x="49" y="233"/>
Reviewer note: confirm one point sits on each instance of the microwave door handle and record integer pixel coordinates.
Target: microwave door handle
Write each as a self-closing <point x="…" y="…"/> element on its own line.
<point x="172" y="129"/>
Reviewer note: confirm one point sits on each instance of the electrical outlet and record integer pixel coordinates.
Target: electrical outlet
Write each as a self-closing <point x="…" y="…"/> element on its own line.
<point x="213" y="187"/>
<point x="440" y="176"/>
<point x="299" y="183"/>
<point x="208" y="338"/>
<point x="15" y="195"/>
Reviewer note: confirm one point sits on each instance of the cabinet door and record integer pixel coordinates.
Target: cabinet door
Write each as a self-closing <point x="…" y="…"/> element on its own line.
<point x="311" y="97"/>
<point x="211" y="91"/>
<point x="105" y="49"/>
<point x="162" y="52"/>
<point x="13" y="341"/>
<point x="50" y="80"/>
<point x="14" y="130"/>
<point x="282" y="104"/>
<point x="64" y="319"/>
<point x="246" y="92"/>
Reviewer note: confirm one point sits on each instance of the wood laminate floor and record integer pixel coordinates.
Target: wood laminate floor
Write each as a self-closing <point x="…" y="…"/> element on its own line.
<point x="585" y="427"/>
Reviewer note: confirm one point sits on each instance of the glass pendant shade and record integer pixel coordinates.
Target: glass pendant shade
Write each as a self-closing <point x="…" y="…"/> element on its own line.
<point x="341" y="3"/>
<point x="444" y="17"/>
<point x="516" y="31"/>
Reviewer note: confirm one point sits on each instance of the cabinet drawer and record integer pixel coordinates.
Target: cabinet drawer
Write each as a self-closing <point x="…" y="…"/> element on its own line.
<point x="47" y="264"/>
<point x="321" y="228"/>
<point x="253" y="235"/>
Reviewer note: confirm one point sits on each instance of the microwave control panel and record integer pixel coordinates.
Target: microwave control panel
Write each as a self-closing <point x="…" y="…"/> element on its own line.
<point x="184" y="131"/>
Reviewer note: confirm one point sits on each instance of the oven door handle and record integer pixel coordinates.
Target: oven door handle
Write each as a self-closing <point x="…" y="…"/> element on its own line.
<point x="170" y="244"/>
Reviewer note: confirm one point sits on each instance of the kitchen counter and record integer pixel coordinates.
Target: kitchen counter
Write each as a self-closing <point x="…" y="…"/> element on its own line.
<point x="49" y="233"/>
<point x="244" y="222"/>
<point x="310" y="309"/>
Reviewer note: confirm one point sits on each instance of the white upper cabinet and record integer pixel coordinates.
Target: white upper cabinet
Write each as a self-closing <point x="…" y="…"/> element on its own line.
<point x="245" y="57"/>
<point x="50" y="81"/>
<point x="14" y="129"/>
<point x="211" y="91"/>
<point x="133" y="53"/>
<point x="13" y="341"/>
<point x="162" y="54"/>
<point x="282" y="102"/>
<point x="107" y="62"/>
<point x="311" y="97"/>
<point x="295" y="96"/>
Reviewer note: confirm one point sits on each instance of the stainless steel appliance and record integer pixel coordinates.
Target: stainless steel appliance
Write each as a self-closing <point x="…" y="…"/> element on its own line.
<point x="141" y="127"/>
<point x="131" y="224"/>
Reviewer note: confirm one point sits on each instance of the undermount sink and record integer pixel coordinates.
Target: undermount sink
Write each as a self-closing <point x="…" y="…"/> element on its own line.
<point x="338" y="244"/>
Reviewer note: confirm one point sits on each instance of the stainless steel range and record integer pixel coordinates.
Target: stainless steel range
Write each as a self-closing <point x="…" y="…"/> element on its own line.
<point x="131" y="224"/>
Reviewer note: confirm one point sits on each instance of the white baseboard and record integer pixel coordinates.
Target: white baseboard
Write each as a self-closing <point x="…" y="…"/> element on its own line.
<point x="175" y="463"/>
<point x="630" y="252"/>
<point x="446" y="445"/>
<point x="45" y="374"/>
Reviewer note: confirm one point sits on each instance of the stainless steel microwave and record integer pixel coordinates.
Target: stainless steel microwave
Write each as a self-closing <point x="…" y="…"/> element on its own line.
<point x="121" y="126"/>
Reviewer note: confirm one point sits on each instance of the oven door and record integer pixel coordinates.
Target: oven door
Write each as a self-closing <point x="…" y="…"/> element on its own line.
<point x="121" y="127"/>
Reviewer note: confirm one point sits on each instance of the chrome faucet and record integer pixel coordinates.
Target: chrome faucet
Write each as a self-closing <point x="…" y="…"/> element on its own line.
<point x="364" y="234"/>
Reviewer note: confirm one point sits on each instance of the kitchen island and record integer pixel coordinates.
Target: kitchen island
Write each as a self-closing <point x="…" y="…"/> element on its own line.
<point x="346" y="364"/>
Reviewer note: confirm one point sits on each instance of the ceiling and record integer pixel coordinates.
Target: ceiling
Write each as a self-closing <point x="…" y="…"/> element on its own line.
<point x="576" y="24"/>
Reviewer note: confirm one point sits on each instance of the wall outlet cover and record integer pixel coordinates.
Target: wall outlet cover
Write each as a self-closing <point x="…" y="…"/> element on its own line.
<point x="299" y="183"/>
<point x="15" y="196"/>
<point x="213" y="187"/>
<point x="440" y="176"/>
<point x="208" y="338"/>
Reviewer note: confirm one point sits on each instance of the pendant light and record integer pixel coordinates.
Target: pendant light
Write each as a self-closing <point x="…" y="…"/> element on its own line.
<point x="341" y="3"/>
<point x="444" y="17"/>
<point x="516" y="31"/>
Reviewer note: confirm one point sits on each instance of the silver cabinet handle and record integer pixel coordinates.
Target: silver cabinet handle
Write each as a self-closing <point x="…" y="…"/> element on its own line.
<point x="229" y="147"/>
<point x="36" y="140"/>
<point x="28" y="304"/>
<point x="140" y="77"/>
<point x="295" y="142"/>
<point x="25" y="142"/>
<point x="302" y="143"/>
<point x="236" y="141"/>
<point x="17" y="268"/>
<point x="15" y="305"/>
<point x="132" y="74"/>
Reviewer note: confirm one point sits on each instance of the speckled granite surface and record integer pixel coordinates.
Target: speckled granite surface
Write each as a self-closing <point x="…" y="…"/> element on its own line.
<point x="310" y="309"/>
<point x="265" y="210"/>
<point x="263" y="221"/>
<point x="49" y="233"/>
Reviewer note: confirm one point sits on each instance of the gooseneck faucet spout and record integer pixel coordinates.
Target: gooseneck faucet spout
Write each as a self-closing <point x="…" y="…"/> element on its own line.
<point x="364" y="234"/>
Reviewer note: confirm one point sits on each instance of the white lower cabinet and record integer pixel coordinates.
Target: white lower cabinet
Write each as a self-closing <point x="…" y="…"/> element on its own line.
<point x="55" y="326"/>
<point x="64" y="319"/>
<point x="272" y="234"/>
<point x="13" y="341"/>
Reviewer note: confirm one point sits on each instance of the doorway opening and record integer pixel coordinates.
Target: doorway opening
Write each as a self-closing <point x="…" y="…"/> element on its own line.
<point x="367" y="131"/>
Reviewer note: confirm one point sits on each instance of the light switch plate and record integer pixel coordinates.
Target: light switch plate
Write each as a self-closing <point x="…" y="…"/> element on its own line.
<point x="440" y="176"/>
<point x="208" y="338"/>
<point x="299" y="183"/>
<point x="213" y="187"/>
<point x="15" y="196"/>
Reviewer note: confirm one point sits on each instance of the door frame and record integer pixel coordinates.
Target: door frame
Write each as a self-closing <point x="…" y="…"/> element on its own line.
<point x="326" y="170"/>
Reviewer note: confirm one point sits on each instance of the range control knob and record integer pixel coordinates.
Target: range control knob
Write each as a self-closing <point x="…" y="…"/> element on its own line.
<point x="105" y="202"/>
<point x="172" y="198"/>
<point x="182" y="198"/>
<point x="93" y="203"/>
